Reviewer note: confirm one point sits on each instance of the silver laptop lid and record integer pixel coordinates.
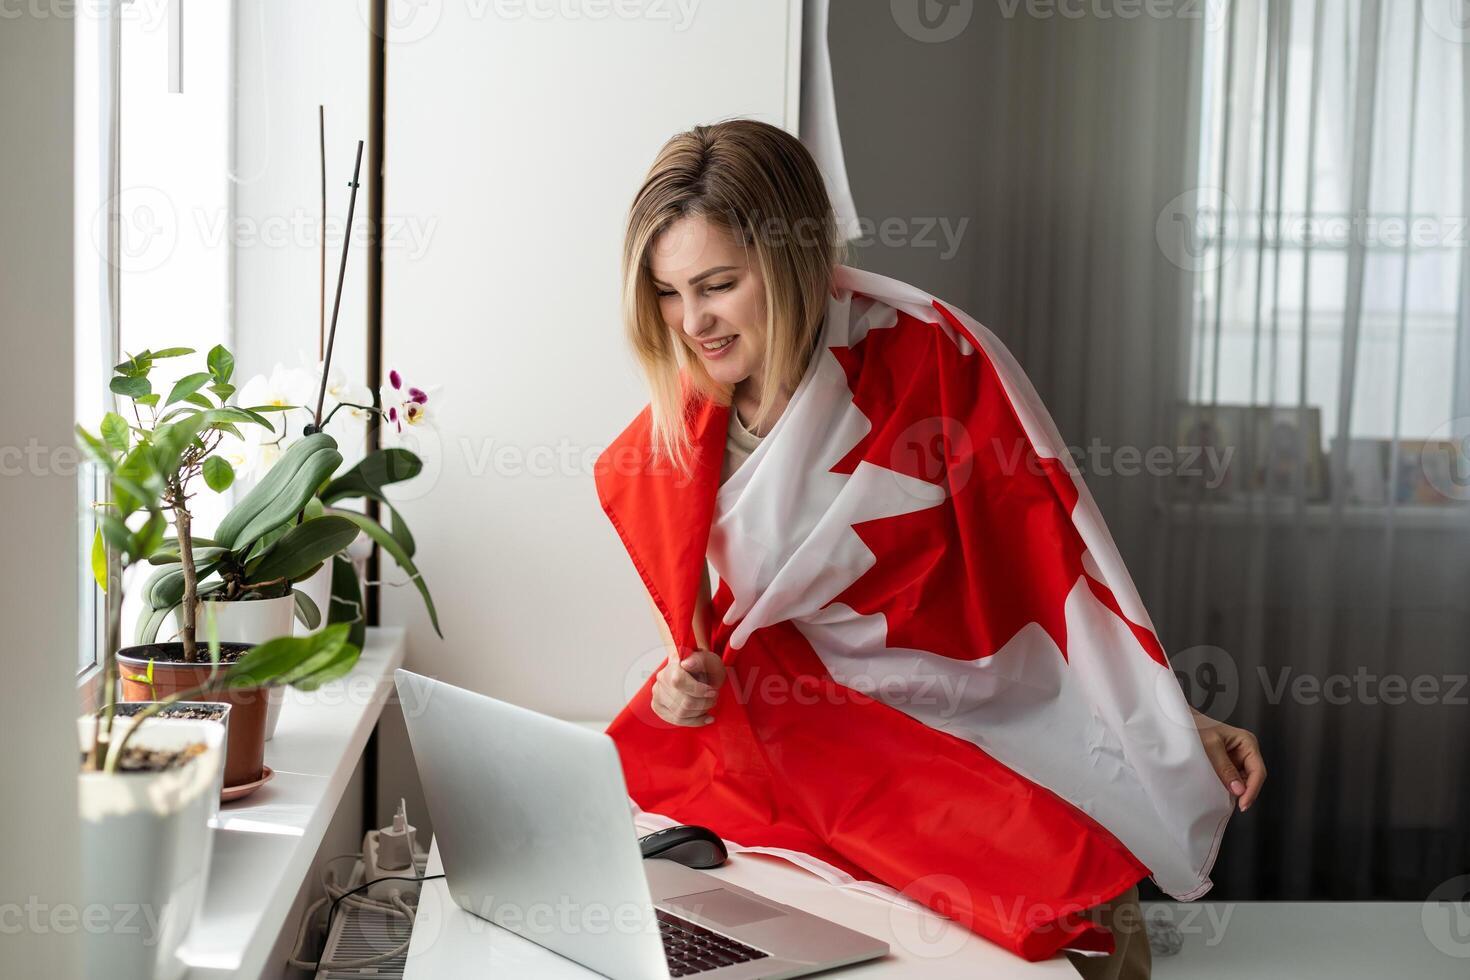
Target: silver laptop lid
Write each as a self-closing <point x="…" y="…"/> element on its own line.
<point x="532" y="819"/>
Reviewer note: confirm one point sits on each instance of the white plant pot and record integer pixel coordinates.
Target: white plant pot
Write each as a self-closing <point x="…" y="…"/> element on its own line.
<point x="318" y="589"/>
<point x="145" y="850"/>
<point x="251" y="621"/>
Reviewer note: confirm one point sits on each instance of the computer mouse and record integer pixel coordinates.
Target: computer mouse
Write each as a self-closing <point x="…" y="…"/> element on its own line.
<point x="694" y="847"/>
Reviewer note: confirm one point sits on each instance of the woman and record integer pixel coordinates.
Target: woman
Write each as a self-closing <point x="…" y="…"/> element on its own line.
<point x="924" y="664"/>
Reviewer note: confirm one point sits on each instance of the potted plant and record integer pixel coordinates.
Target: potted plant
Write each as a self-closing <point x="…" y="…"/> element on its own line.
<point x="149" y="784"/>
<point x="263" y="545"/>
<point x="336" y="586"/>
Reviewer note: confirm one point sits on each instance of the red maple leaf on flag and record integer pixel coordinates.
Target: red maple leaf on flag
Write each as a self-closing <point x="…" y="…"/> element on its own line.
<point x="961" y="578"/>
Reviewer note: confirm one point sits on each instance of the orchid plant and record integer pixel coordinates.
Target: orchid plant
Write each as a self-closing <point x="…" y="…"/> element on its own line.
<point x="267" y="542"/>
<point x="347" y="410"/>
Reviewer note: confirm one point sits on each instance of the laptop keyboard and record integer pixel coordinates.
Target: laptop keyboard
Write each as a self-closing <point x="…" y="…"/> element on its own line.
<point x="694" y="949"/>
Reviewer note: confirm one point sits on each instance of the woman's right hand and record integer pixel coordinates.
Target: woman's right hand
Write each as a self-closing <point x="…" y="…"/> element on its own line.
<point x="685" y="690"/>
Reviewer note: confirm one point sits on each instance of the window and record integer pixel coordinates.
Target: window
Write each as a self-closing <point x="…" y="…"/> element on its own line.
<point x="1331" y="232"/>
<point x="153" y="218"/>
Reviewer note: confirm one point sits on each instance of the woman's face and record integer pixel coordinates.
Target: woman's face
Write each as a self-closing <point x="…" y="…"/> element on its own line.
<point x="712" y="296"/>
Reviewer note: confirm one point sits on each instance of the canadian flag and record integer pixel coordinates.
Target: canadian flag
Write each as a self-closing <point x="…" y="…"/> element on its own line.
<point x="940" y="676"/>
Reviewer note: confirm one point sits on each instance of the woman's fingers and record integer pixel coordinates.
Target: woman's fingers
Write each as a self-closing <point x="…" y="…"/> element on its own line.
<point x="681" y="695"/>
<point x="1245" y="752"/>
<point x="1219" y="755"/>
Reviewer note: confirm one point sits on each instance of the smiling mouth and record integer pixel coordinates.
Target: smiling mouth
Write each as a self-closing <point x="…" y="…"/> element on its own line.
<point x="720" y="344"/>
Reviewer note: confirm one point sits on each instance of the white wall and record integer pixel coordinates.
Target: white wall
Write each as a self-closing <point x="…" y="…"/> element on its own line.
<point x="520" y="142"/>
<point x="38" y="511"/>
<point x="290" y="57"/>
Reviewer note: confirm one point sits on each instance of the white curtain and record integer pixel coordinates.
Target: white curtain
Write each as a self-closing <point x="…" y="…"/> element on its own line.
<point x="1327" y="572"/>
<point x="1140" y="193"/>
<point x="818" y="128"/>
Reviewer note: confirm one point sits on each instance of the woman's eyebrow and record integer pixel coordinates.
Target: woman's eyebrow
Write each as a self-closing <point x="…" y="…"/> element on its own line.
<point x="699" y="278"/>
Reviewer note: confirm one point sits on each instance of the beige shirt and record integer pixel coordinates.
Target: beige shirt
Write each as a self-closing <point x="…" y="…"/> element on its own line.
<point x="740" y="442"/>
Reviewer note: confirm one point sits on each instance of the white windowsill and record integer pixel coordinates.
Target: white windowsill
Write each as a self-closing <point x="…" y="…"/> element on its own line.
<point x="264" y="845"/>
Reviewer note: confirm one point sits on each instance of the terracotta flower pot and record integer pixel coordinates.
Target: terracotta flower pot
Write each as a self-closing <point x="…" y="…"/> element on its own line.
<point x="245" y="749"/>
<point x="249" y="621"/>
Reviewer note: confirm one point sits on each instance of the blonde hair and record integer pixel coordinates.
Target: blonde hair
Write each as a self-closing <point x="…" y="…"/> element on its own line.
<point x="761" y="186"/>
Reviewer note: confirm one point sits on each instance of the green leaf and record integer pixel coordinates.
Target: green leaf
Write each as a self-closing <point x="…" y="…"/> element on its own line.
<point x="222" y="391"/>
<point x="229" y="413"/>
<point x="165" y="587"/>
<point x="273" y="408"/>
<point x="367" y="479"/>
<point x="99" y="559"/>
<point x="305" y="546"/>
<point x="168" y="554"/>
<point x="285" y="489"/>
<point x="95" y="449"/>
<point x="115" y="432"/>
<point x="306" y="610"/>
<point x="137" y="364"/>
<point x="149" y="536"/>
<point x="218" y="473"/>
<point x="130" y="386"/>
<point x="346" y="605"/>
<point x="390" y="544"/>
<point x="293" y="660"/>
<point x="135" y="482"/>
<point x="186" y="386"/>
<point x="221" y="364"/>
<point x="115" y="532"/>
<point x="172" y="352"/>
<point x="170" y="442"/>
<point x="149" y="400"/>
<point x="148" y="623"/>
<point x="199" y="400"/>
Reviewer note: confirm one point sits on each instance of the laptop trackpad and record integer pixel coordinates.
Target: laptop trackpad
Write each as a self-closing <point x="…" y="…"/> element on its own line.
<point x="723" y="907"/>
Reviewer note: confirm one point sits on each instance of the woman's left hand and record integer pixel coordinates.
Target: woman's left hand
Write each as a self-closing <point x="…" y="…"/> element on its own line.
<point x="1236" y="756"/>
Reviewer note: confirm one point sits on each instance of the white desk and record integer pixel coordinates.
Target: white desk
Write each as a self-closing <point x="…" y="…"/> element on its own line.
<point x="449" y="943"/>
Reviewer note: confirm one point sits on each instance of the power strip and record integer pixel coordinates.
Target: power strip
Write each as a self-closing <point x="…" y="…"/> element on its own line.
<point x="360" y="933"/>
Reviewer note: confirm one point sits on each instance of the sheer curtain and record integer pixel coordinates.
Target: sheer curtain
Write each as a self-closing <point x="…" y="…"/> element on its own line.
<point x="1321" y="576"/>
<point x="1232" y="247"/>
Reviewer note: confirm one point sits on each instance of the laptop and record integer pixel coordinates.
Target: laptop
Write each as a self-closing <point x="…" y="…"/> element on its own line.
<point x="536" y="835"/>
